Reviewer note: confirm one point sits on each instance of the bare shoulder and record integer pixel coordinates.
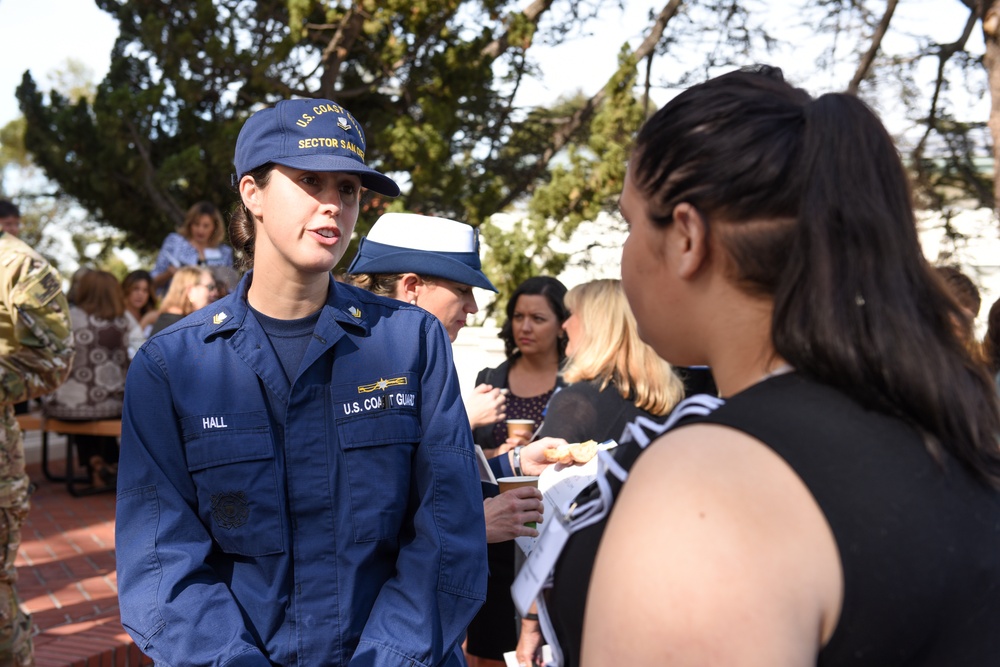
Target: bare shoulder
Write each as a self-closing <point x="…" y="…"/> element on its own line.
<point x="727" y="550"/>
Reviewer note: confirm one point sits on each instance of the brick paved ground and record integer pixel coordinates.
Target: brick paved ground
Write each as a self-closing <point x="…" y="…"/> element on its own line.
<point x="66" y="577"/>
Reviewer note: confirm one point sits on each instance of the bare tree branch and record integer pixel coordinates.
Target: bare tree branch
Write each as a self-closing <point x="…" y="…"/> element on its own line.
<point x="339" y="47"/>
<point x="990" y="13"/>
<point x="532" y="12"/>
<point x="869" y="57"/>
<point x="562" y="134"/>
<point x="944" y="54"/>
<point x="163" y="202"/>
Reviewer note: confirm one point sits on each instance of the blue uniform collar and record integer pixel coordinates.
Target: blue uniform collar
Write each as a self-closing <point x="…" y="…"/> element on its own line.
<point x="229" y="313"/>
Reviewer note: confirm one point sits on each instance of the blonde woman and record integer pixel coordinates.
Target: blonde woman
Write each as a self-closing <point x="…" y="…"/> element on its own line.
<point x="191" y="289"/>
<point x="612" y="378"/>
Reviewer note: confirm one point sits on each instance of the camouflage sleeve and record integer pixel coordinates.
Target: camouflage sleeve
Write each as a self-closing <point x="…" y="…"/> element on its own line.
<point x="36" y="341"/>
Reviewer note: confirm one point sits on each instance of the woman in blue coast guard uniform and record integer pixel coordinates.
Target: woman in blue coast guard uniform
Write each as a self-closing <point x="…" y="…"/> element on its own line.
<point x="292" y="490"/>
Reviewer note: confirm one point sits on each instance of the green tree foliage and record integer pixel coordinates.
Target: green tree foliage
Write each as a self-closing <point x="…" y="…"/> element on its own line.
<point x="432" y="81"/>
<point x="161" y="127"/>
<point x="583" y="183"/>
<point x="12" y="150"/>
<point x="434" y="84"/>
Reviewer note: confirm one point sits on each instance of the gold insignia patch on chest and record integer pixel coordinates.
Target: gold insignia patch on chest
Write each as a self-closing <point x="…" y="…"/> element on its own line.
<point x="381" y="384"/>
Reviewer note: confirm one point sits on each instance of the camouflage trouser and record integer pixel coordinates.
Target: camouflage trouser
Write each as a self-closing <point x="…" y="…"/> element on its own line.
<point x="15" y="625"/>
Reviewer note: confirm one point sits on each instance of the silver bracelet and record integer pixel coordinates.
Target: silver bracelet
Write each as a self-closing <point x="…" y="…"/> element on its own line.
<point x="517" y="461"/>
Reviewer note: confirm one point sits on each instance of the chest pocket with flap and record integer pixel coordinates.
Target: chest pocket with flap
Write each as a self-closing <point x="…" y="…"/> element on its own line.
<point x="231" y="460"/>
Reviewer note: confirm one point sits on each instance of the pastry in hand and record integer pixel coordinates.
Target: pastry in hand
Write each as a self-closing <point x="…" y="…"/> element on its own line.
<point x="569" y="454"/>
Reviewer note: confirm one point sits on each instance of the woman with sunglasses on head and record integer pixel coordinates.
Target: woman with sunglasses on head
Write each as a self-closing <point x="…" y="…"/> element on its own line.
<point x="535" y="346"/>
<point x="840" y="505"/>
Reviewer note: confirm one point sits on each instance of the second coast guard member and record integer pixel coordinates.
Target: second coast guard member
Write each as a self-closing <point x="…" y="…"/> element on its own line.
<point x="292" y="489"/>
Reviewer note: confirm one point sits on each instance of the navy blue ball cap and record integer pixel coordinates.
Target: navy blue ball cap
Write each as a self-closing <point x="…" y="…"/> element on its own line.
<point x="317" y="135"/>
<point x="423" y="244"/>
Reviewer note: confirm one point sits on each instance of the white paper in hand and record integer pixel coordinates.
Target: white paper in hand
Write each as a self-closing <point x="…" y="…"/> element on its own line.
<point x="559" y="486"/>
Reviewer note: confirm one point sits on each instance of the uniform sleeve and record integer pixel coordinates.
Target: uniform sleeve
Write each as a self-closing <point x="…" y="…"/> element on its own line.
<point x="36" y="359"/>
<point x="500" y="465"/>
<point x="172" y="604"/>
<point x="421" y="614"/>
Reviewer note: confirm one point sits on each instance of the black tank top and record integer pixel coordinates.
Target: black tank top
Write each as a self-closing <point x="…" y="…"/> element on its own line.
<point x="919" y="540"/>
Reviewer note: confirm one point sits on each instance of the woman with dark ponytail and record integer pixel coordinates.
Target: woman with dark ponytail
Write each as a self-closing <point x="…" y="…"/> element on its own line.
<point x="839" y="504"/>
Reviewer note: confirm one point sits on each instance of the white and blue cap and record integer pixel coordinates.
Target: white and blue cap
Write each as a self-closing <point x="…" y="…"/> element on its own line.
<point x="318" y="135"/>
<point x="429" y="246"/>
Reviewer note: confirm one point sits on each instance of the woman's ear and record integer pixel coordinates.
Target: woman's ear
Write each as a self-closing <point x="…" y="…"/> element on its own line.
<point x="691" y="239"/>
<point x="408" y="288"/>
<point x="250" y="194"/>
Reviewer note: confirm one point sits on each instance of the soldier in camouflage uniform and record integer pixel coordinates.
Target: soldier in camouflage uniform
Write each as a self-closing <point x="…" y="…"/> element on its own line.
<point x="36" y="349"/>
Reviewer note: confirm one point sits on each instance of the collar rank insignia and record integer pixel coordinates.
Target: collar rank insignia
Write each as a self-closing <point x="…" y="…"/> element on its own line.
<point x="219" y="318"/>
<point x="343" y="124"/>
<point x="380" y="385"/>
<point x="355" y="311"/>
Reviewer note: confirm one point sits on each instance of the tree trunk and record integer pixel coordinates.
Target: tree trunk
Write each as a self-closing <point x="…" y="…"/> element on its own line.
<point x="991" y="60"/>
<point x="339" y="47"/>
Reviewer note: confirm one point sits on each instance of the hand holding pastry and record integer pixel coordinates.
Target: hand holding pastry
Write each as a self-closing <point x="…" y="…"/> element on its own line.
<point x="571" y="454"/>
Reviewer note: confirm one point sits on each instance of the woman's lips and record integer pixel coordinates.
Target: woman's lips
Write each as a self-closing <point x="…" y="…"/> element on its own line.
<point x="326" y="236"/>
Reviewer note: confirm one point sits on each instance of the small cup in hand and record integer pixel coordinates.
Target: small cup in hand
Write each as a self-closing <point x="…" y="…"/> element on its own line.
<point x="520" y="428"/>
<point x="508" y="483"/>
